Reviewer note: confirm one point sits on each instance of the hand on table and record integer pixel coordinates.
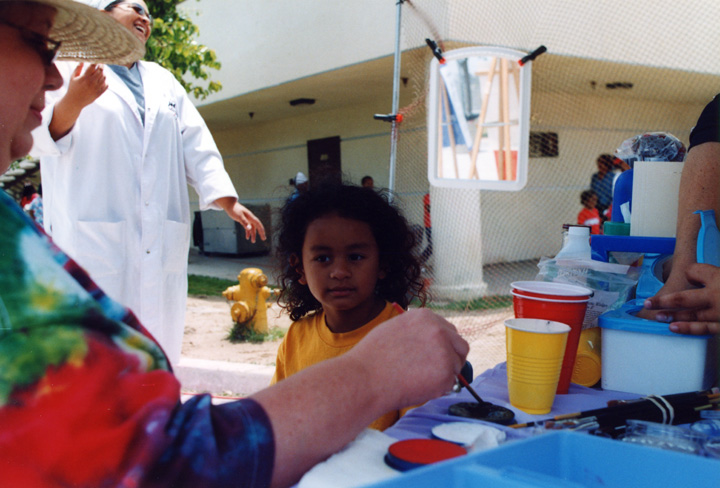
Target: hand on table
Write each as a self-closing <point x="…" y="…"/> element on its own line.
<point x="691" y="311"/>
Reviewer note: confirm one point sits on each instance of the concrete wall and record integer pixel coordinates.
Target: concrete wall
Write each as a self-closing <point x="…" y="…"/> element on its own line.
<point x="263" y="158"/>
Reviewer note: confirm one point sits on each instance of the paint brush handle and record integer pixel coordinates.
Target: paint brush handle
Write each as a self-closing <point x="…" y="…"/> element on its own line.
<point x="464" y="382"/>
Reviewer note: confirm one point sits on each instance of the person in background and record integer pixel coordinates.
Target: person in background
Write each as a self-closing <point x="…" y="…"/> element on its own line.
<point x="589" y="215"/>
<point x="87" y="397"/>
<point x="301" y="185"/>
<point x="119" y="145"/>
<point x="601" y="182"/>
<point x="368" y="182"/>
<point x="349" y="262"/>
<point x="690" y="297"/>
<point x="29" y="193"/>
<point x="35" y="207"/>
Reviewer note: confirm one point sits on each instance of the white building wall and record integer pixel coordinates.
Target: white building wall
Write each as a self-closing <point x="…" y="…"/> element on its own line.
<point x="268" y="42"/>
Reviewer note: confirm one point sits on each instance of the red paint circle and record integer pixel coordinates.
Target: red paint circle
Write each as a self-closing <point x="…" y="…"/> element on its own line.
<point x="425" y="451"/>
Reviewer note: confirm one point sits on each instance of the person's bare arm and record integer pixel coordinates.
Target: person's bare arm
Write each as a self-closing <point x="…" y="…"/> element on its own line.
<point x="406" y="361"/>
<point x="699" y="190"/>
<point x="240" y="213"/>
<point x="84" y="87"/>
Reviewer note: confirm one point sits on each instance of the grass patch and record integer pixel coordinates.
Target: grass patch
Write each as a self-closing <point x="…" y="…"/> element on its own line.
<point x="207" y="285"/>
<point x="485" y="303"/>
<point x="241" y="333"/>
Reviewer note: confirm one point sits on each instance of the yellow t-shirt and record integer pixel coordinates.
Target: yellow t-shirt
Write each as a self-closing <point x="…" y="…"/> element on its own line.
<point x="309" y="341"/>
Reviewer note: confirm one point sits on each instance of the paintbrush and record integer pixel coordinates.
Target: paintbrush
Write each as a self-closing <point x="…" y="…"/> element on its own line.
<point x="684" y="406"/>
<point x="465" y="383"/>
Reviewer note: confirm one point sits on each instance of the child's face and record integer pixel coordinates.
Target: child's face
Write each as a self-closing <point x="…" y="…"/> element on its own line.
<point x="341" y="266"/>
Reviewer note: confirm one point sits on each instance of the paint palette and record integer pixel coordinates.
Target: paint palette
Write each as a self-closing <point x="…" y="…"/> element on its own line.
<point x="483" y="411"/>
<point x="414" y="453"/>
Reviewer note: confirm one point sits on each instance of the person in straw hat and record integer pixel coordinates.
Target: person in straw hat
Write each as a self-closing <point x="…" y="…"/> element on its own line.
<point x="87" y="397"/>
<point x="119" y="145"/>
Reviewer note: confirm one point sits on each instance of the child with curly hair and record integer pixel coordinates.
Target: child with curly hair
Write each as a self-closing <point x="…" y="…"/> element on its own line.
<point x="348" y="255"/>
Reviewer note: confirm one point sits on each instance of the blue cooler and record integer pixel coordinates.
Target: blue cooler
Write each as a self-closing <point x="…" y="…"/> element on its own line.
<point x="565" y="459"/>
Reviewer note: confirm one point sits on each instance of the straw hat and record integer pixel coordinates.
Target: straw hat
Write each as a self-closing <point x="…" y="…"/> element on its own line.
<point x="90" y="35"/>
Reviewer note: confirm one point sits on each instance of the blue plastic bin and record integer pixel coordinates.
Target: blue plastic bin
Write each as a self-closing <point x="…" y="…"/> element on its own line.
<point x="565" y="459"/>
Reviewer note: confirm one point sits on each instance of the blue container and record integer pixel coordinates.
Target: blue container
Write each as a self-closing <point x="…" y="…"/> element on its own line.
<point x="565" y="459"/>
<point x="622" y="194"/>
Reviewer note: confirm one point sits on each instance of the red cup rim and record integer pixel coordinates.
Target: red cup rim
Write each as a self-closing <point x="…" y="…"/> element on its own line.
<point x="545" y="299"/>
<point x="551" y="289"/>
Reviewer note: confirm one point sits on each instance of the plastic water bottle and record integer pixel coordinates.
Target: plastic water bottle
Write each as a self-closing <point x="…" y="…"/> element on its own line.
<point x="577" y="244"/>
<point x="708" y="243"/>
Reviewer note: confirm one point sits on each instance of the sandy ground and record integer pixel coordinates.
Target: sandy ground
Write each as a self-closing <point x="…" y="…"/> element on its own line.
<point x="207" y="327"/>
<point x="208" y="324"/>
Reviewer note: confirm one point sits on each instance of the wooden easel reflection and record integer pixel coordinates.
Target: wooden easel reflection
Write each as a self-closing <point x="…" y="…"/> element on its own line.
<point x="506" y="159"/>
<point x="444" y="102"/>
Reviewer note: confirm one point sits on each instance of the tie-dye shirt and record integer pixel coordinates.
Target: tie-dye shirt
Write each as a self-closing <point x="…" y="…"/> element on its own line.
<point x="87" y="397"/>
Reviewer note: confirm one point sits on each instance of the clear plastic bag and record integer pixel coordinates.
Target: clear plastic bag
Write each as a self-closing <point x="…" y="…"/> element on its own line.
<point x="612" y="284"/>
<point x="651" y="146"/>
<point x="670" y="437"/>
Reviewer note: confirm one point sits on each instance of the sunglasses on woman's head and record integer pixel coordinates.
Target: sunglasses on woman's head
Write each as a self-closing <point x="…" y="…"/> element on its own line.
<point x="47" y="48"/>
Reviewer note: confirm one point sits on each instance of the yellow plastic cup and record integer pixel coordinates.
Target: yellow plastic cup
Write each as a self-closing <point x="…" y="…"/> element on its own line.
<point x="535" y="351"/>
<point x="588" y="362"/>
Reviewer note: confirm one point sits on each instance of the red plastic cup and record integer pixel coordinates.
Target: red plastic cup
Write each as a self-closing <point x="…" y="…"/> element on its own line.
<point x="570" y="311"/>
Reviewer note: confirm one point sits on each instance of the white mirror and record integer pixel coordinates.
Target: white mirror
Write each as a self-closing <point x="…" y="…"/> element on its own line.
<point x="479" y="119"/>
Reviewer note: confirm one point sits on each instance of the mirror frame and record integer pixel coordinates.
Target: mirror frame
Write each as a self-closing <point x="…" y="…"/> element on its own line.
<point x="523" y="121"/>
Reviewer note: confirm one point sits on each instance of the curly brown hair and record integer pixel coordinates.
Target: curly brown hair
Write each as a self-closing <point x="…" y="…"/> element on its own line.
<point x="396" y="243"/>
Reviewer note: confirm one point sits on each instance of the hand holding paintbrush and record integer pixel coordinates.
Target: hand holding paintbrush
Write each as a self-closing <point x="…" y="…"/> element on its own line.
<point x="460" y="378"/>
<point x="481" y="410"/>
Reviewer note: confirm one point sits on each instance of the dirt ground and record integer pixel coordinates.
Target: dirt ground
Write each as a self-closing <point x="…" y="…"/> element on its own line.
<point x="208" y="323"/>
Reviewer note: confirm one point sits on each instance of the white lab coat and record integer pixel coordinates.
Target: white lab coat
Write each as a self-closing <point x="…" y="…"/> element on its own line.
<point x="116" y="196"/>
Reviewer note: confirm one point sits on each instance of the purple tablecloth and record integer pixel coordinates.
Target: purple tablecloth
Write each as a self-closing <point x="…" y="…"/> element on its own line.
<point x="491" y="385"/>
<point x="361" y="463"/>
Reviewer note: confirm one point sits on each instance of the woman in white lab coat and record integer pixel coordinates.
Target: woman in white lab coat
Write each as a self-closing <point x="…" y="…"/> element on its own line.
<point x="116" y="163"/>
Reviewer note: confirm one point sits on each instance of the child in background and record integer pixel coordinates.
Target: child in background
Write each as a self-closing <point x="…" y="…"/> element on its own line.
<point x="347" y="256"/>
<point x="589" y="215"/>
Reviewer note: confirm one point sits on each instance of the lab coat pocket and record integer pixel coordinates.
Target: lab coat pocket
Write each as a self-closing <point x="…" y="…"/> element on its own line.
<point x="176" y="243"/>
<point x="101" y="250"/>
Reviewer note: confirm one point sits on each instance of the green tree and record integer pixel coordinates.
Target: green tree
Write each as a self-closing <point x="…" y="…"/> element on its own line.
<point x="173" y="45"/>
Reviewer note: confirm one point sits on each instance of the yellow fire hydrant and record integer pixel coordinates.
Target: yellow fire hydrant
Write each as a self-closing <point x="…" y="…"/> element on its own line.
<point x="250" y="297"/>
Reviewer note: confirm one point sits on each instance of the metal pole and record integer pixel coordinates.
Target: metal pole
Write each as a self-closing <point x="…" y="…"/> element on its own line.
<point x="396" y="99"/>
